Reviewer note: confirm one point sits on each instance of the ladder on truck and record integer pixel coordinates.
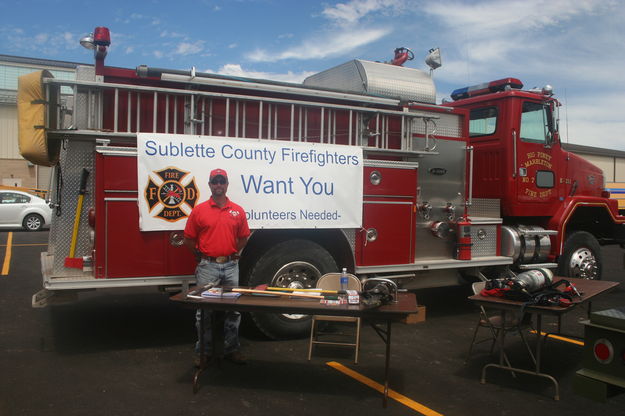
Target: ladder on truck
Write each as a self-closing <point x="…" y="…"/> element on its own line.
<point x="141" y="108"/>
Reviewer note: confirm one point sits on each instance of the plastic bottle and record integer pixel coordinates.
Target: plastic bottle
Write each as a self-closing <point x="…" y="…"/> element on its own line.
<point x="344" y="279"/>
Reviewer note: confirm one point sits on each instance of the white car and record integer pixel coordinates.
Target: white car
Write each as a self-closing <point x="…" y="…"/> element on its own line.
<point x="20" y="209"/>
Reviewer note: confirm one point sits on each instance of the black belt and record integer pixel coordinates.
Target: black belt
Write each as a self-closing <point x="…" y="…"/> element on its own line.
<point x="220" y="259"/>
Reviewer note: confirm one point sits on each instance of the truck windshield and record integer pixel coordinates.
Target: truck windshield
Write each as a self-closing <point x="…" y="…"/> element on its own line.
<point x="535" y="122"/>
<point x="483" y="121"/>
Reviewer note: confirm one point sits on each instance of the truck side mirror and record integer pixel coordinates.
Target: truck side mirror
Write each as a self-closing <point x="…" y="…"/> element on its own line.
<point x="551" y="110"/>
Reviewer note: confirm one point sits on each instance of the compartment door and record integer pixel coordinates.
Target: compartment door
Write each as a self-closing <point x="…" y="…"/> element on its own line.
<point x="392" y="221"/>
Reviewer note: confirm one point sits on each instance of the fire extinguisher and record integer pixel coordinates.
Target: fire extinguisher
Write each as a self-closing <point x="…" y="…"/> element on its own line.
<point x="463" y="243"/>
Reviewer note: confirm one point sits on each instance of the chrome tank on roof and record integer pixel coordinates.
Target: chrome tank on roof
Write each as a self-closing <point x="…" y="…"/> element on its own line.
<point x="376" y="78"/>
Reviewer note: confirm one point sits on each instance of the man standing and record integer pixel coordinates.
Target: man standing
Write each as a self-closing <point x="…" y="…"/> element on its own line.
<point x="216" y="232"/>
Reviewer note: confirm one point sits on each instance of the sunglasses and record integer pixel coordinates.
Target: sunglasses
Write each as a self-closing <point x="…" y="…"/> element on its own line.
<point x="219" y="181"/>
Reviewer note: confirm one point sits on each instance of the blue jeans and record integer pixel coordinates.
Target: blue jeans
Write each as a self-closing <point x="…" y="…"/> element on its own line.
<point x="226" y="274"/>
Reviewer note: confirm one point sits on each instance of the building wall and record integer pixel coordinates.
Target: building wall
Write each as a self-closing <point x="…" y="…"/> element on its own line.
<point x="14" y="170"/>
<point x="8" y="132"/>
<point x="619" y="170"/>
<point x="605" y="163"/>
<point x="612" y="162"/>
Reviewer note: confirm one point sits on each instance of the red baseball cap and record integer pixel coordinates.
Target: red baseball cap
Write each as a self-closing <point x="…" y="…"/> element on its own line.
<point x="218" y="172"/>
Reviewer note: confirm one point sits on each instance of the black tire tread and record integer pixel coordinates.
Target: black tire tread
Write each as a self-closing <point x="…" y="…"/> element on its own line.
<point x="574" y="241"/>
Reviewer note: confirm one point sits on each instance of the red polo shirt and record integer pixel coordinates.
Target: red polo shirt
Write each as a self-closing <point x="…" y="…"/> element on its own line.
<point x="216" y="229"/>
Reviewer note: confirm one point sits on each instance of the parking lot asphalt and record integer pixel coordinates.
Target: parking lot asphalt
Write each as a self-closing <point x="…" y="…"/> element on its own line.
<point x="130" y="352"/>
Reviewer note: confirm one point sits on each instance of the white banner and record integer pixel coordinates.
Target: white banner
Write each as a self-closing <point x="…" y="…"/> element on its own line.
<point x="280" y="184"/>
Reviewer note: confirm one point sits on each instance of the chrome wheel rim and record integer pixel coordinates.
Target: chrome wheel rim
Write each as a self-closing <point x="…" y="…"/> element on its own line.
<point x="583" y="264"/>
<point x="33" y="223"/>
<point x="296" y="275"/>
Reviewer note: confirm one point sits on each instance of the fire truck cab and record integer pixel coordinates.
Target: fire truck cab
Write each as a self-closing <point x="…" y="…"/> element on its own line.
<point x="520" y="161"/>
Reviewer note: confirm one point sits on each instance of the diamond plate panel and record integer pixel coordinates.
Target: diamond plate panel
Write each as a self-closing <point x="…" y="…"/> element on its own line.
<point x="448" y="125"/>
<point x="85" y="73"/>
<point x="84" y="101"/>
<point x="486" y="246"/>
<point x="74" y="157"/>
<point x="350" y="234"/>
<point x="485" y="208"/>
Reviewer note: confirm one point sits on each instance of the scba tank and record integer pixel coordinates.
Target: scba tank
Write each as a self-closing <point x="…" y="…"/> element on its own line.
<point x="534" y="280"/>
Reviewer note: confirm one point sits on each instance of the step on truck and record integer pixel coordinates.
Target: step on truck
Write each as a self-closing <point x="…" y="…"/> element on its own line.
<point x="356" y="167"/>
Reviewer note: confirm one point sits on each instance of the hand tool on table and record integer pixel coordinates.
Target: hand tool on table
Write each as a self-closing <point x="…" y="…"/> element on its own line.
<point x="291" y="289"/>
<point x="275" y="293"/>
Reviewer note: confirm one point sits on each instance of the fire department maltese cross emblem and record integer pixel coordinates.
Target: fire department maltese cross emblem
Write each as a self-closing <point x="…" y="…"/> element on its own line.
<point x="176" y="199"/>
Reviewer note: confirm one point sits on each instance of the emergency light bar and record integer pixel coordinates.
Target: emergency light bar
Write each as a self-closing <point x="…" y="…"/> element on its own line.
<point x="485" y="88"/>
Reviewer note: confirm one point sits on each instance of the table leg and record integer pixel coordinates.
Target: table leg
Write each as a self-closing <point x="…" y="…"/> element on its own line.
<point x="502" y="339"/>
<point x="539" y="340"/>
<point x="506" y="366"/>
<point x="217" y="342"/>
<point x="388" y="362"/>
<point x="386" y="337"/>
<point x="196" y="376"/>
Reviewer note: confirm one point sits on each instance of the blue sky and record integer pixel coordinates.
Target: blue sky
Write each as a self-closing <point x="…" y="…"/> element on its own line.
<point x="577" y="46"/>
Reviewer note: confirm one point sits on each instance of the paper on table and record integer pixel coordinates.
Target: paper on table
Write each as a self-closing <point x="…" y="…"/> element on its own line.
<point x="217" y="292"/>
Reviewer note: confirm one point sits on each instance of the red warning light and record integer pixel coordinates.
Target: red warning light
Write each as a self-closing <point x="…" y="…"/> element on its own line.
<point x="603" y="350"/>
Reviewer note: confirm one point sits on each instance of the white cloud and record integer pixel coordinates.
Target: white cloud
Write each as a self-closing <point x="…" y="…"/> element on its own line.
<point x="345" y="32"/>
<point x="168" y="34"/>
<point x="154" y="21"/>
<point x="186" y="48"/>
<point x="351" y="12"/>
<point x="555" y="41"/>
<point x="607" y="135"/>
<point x="41" y="38"/>
<point x="47" y="44"/>
<point x="237" y="70"/>
<point x="330" y="44"/>
<point x="593" y="119"/>
<point x="480" y="19"/>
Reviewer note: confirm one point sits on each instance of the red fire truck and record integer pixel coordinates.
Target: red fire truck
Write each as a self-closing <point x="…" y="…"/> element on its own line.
<point x="470" y="188"/>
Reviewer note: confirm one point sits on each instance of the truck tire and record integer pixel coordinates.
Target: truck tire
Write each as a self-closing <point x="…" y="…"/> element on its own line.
<point x="32" y="222"/>
<point x="581" y="257"/>
<point x="295" y="264"/>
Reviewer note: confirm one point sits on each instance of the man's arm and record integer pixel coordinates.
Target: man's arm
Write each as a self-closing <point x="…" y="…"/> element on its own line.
<point x="241" y="242"/>
<point x="191" y="244"/>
